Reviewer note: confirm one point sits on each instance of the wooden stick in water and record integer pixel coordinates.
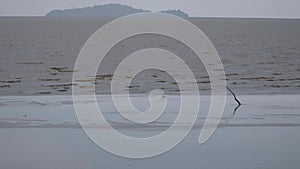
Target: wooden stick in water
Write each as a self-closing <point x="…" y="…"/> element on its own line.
<point x="235" y="98"/>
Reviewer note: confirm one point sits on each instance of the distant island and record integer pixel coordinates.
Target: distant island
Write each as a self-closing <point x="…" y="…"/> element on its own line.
<point x="177" y="12"/>
<point x="109" y="10"/>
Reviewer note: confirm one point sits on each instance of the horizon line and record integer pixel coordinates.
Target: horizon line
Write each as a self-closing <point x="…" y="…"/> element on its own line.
<point x="191" y="17"/>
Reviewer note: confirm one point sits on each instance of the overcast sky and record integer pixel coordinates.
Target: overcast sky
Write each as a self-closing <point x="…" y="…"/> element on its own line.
<point x="202" y="8"/>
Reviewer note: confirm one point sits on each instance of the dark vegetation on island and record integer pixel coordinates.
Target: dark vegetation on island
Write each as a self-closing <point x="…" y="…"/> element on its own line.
<point x="109" y="10"/>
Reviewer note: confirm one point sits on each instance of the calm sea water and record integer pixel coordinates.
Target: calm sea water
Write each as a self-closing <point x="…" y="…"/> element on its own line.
<point x="260" y="56"/>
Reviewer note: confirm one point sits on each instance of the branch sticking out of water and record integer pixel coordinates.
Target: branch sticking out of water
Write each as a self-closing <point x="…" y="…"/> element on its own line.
<point x="235" y="98"/>
<point x="235" y="109"/>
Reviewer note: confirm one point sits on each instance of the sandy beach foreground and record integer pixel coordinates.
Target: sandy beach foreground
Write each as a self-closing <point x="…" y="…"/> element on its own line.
<point x="43" y="132"/>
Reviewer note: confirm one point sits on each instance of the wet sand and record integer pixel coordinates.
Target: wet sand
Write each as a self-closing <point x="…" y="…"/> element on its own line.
<point x="43" y="132"/>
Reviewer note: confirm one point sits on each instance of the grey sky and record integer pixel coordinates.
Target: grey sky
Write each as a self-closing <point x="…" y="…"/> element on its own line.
<point x="204" y="8"/>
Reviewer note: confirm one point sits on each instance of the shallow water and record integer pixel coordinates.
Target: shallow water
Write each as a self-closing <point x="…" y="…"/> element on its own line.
<point x="260" y="56"/>
<point x="43" y="132"/>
